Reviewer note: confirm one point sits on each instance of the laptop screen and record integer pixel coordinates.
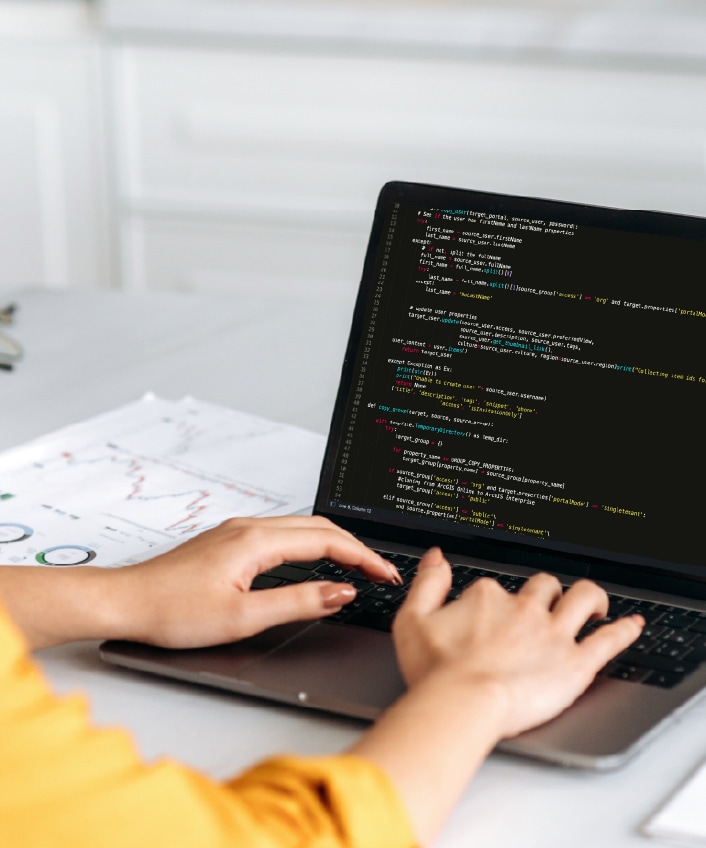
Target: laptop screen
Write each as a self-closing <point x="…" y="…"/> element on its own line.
<point x="526" y="372"/>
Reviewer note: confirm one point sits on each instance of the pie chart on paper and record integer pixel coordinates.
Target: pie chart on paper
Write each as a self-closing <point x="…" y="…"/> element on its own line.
<point x="14" y="533"/>
<point x="66" y="555"/>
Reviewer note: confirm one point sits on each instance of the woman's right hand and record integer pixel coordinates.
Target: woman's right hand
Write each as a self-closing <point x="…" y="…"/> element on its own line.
<point x="523" y="644"/>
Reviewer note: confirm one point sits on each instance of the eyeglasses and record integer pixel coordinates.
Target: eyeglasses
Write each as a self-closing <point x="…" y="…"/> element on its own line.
<point x="10" y="350"/>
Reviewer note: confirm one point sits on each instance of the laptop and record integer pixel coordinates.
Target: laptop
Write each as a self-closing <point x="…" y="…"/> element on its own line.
<point x="524" y="386"/>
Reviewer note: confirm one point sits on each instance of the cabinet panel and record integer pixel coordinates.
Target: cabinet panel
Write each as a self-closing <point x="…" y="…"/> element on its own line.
<point x="201" y="256"/>
<point x="33" y="246"/>
<point x="53" y="218"/>
<point x="237" y="130"/>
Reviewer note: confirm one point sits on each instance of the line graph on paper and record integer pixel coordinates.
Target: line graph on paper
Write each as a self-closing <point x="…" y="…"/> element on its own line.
<point x="148" y="475"/>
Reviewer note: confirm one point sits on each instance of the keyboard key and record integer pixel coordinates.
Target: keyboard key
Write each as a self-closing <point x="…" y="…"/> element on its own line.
<point x="330" y="569"/>
<point x="652" y="616"/>
<point x="399" y="559"/>
<point x="620" y="606"/>
<point x="385" y="593"/>
<point x="657" y="662"/>
<point x="668" y="649"/>
<point x="407" y="577"/>
<point x="641" y="604"/>
<point x="462" y="577"/>
<point x="676" y="619"/>
<point x="308" y="566"/>
<point x="350" y="609"/>
<point x="289" y="573"/>
<point x="374" y="620"/>
<point x="681" y="637"/>
<point x="644" y="644"/>
<point x="608" y="619"/>
<point x="511" y="582"/>
<point x="665" y="679"/>
<point x="482" y="572"/>
<point x="622" y="671"/>
<point x="382" y="606"/>
<point x="264" y="581"/>
<point x="697" y="650"/>
<point x="361" y="583"/>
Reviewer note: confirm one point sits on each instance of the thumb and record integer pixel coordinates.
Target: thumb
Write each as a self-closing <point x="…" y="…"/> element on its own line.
<point x="298" y="602"/>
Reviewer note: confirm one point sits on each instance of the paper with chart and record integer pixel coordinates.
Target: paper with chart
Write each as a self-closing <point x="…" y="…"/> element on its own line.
<point x="116" y="488"/>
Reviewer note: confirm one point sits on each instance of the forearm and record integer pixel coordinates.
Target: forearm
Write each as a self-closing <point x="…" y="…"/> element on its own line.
<point x="432" y="742"/>
<point x="54" y="606"/>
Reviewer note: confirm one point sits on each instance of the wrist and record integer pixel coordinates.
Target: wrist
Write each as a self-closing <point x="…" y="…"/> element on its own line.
<point x="477" y="694"/>
<point x="120" y="602"/>
<point x="87" y="606"/>
<point x="445" y="711"/>
<point x="52" y="607"/>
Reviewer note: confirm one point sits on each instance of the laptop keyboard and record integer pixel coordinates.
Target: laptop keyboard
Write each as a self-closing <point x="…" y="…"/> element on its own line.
<point x="671" y="646"/>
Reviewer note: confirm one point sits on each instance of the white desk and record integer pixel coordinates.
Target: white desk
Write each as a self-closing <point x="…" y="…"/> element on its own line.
<point x="90" y="352"/>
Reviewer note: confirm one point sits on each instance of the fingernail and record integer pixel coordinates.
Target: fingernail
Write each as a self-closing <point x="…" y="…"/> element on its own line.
<point x="337" y="594"/>
<point x="395" y="576"/>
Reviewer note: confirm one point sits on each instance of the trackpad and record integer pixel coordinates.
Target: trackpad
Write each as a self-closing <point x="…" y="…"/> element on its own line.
<point x="348" y="670"/>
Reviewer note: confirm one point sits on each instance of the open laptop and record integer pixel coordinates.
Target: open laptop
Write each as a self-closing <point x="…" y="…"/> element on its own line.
<point x="524" y="385"/>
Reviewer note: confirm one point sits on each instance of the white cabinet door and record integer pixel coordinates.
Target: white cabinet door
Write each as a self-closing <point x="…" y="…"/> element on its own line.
<point x="312" y="262"/>
<point x="53" y="221"/>
<point x="227" y="130"/>
<point x="276" y="142"/>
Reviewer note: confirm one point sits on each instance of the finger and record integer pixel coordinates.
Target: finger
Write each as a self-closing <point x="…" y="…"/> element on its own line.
<point x="545" y="588"/>
<point x="430" y="586"/>
<point x="354" y="555"/>
<point x="582" y="601"/>
<point x="605" y="643"/>
<point x="270" y="546"/>
<point x="318" y="522"/>
<point x="299" y="602"/>
<point x="236" y="529"/>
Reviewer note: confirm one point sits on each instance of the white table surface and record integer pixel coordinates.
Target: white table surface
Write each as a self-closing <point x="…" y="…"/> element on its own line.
<point x="89" y="352"/>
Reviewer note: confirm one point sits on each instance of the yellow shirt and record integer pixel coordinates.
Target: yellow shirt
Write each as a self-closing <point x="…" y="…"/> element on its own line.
<point x="64" y="784"/>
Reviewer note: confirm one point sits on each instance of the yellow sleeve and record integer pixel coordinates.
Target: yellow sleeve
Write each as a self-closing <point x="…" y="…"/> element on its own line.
<point x="68" y="785"/>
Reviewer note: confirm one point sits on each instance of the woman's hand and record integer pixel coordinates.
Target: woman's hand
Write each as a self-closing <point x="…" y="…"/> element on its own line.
<point x="195" y="595"/>
<point x="199" y="593"/>
<point x="523" y="645"/>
